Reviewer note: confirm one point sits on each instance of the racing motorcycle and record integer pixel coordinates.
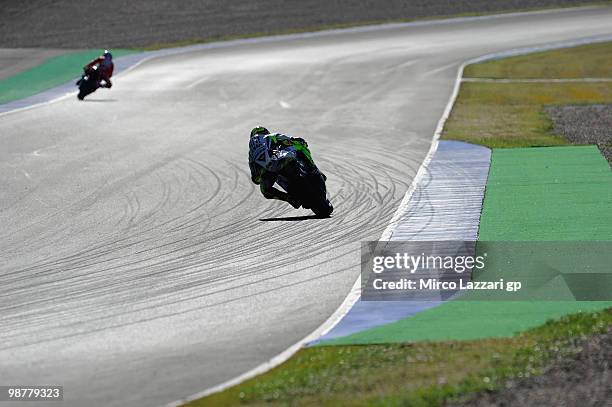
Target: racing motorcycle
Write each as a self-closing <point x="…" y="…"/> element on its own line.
<point x="305" y="183"/>
<point x="89" y="82"/>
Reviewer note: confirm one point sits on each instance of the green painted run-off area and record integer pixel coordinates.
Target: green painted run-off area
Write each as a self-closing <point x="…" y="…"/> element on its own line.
<point x="53" y="72"/>
<point x="533" y="194"/>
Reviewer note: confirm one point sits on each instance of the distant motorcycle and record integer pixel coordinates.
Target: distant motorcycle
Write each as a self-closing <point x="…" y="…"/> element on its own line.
<point x="89" y="82"/>
<point x="306" y="184"/>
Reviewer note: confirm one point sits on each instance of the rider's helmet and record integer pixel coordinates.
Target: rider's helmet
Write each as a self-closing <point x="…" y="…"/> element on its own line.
<point x="259" y="130"/>
<point x="107" y="54"/>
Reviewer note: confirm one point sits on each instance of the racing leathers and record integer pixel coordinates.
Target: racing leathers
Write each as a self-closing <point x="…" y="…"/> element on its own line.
<point x="105" y="69"/>
<point x="269" y="154"/>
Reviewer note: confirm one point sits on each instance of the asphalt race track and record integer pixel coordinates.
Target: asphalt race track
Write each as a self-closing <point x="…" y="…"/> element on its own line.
<point x="140" y="265"/>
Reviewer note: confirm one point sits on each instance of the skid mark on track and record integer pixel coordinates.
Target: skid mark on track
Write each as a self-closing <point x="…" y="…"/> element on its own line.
<point x="164" y="263"/>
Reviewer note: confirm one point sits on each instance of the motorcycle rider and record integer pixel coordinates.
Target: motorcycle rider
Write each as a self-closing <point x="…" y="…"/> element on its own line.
<point x="269" y="153"/>
<point x="105" y="68"/>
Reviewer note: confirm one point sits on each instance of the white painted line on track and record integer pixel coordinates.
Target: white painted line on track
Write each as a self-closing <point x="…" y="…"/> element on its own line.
<point x="197" y="82"/>
<point x="441" y="69"/>
<point x="282" y="357"/>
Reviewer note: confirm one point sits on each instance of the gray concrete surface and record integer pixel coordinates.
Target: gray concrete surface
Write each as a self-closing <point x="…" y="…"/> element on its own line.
<point x="584" y="124"/>
<point x="139" y="265"/>
<point x="117" y="23"/>
<point x="16" y="60"/>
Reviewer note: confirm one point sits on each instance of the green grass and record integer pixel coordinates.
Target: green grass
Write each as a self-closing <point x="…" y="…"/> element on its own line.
<point x="548" y="194"/>
<point x="512" y="114"/>
<point x="53" y="72"/>
<point x="587" y="61"/>
<point x="418" y="374"/>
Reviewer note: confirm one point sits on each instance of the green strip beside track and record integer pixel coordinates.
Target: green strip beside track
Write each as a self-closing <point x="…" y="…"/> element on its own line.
<point x="53" y="72"/>
<point x="551" y="193"/>
<point x="533" y="194"/>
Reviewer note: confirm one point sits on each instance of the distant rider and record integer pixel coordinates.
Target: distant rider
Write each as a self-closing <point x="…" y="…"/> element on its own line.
<point x="105" y="67"/>
<point x="269" y="153"/>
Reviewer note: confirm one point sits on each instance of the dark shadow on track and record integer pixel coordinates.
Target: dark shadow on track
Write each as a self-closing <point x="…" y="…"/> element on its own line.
<point x="292" y="218"/>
